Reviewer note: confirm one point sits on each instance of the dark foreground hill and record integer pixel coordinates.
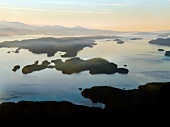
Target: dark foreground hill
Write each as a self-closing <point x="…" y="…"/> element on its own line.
<point x="150" y="102"/>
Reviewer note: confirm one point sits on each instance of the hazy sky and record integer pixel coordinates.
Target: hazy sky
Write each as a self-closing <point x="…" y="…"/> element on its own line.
<point x="122" y="15"/>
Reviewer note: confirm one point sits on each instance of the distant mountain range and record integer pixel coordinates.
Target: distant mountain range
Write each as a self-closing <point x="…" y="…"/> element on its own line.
<point x="17" y="28"/>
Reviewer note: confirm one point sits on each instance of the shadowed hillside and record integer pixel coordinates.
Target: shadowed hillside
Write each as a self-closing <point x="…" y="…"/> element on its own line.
<point x="148" y="102"/>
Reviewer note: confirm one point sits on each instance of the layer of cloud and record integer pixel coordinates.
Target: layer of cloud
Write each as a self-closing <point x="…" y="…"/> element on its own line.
<point x="24" y="9"/>
<point x="55" y="11"/>
<point x="82" y="3"/>
<point x="85" y="12"/>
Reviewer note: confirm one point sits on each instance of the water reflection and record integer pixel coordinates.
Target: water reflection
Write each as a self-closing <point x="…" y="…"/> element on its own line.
<point x="145" y="62"/>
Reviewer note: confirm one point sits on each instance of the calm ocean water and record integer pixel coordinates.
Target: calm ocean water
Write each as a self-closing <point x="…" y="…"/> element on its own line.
<point x="144" y="61"/>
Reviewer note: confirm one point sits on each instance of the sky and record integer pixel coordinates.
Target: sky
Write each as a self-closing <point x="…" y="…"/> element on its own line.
<point x="118" y="15"/>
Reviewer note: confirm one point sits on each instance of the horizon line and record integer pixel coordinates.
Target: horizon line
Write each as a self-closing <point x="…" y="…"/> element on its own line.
<point x="81" y="26"/>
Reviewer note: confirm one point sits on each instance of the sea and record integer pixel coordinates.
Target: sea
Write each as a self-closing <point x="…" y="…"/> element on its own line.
<point x="143" y="60"/>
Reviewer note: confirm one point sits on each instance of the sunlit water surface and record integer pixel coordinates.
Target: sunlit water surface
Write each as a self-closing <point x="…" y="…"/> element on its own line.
<point x="144" y="61"/>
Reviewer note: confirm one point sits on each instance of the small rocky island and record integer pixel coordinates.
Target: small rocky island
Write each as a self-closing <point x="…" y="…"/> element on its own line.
<point x="119" y="41"/>
<point x="16" y="67"/>
<point x="136" y="38"/>
<point x="161" y="50"/>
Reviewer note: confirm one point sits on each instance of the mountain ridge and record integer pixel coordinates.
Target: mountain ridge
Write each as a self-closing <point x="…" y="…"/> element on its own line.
<point x="18" y="28"/>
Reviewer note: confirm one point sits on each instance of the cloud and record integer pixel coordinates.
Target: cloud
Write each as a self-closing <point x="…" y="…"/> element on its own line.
<point x="82" y="3"/>
<point x="55" y="11"/>
<point x="107" y="4"/>
<point x="24" y="9"/>
<point x="106" y="12"/>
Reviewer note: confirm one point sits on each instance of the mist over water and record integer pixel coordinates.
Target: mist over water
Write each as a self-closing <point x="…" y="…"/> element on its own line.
<point x="144" y="61"/>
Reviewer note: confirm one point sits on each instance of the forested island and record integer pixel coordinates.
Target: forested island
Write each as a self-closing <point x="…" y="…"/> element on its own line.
<point x="148" y="102"/>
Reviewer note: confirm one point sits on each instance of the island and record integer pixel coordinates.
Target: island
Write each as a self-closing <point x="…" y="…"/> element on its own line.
<point x="161" y="41"/>
<point x="147" y="103"/>
<point x="35" y="67"/>
<point x="161" y="50"/>
<point x="136" y="38"/>
<point x="77" y="65"/>
<point x="167" y="53"/>
<point x="16" y="67"/>
<point x="51" y="45"/>
<point x="119" y="41"/>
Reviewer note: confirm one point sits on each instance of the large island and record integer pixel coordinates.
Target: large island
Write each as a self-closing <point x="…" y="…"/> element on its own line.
<point x="77" y="65"/>
<point x="148" y="103"/>
<point x="51" y="45"/>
